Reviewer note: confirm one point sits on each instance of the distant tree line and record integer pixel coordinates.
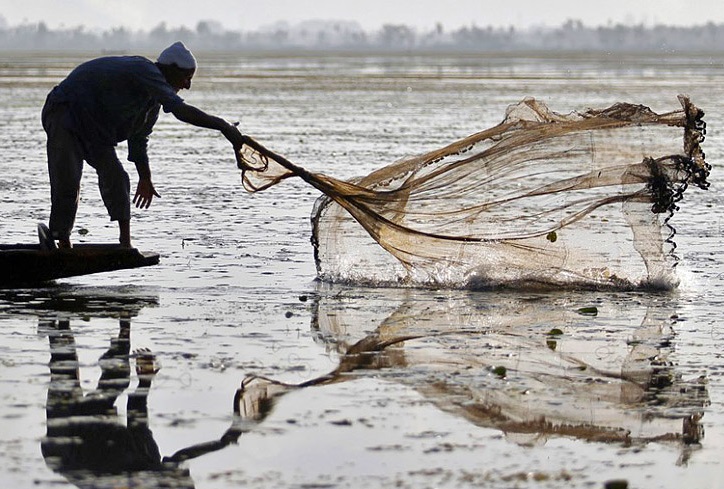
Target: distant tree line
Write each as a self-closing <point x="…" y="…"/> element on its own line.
<point x="573" y="35"/>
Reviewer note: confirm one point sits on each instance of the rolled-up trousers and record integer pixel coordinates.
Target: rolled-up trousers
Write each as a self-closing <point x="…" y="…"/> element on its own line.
<point x="66" y="153"/>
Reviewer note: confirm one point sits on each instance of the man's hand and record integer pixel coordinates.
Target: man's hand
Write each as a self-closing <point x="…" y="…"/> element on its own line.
<point x="232" y="133"/>
<point x="144" y="193"/>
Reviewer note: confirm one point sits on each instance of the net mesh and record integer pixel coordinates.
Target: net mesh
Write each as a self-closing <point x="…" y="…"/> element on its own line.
<point x="541" y="199"/>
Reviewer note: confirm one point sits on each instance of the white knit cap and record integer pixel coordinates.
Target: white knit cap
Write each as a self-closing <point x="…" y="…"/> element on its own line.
<point x="179" y="55"/>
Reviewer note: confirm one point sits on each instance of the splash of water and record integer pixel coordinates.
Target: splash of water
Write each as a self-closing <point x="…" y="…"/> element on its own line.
<point x="541" y="199"/>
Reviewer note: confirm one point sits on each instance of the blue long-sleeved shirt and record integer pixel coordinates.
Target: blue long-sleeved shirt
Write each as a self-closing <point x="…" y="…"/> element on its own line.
<point x="114" y="99"/>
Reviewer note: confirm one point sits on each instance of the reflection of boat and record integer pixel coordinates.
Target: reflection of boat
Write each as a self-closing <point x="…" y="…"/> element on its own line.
<point x="28" y="264"/>
<point x="75" y="301"/>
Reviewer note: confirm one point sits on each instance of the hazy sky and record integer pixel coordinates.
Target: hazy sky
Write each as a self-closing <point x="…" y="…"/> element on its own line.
<point x="371" y="14"/>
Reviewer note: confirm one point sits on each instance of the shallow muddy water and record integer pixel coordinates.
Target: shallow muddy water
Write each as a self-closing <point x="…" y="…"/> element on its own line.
<point x="347" y="386"/>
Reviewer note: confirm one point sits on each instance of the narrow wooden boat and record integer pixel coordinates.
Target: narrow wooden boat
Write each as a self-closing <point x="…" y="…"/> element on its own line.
<point x="33" y="264"/>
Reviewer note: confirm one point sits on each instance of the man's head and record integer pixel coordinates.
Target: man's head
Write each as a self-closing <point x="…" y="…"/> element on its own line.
<point x="178" y="65"/>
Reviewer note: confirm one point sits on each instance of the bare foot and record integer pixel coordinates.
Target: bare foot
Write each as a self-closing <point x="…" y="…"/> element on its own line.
<point x="64" y="244"/>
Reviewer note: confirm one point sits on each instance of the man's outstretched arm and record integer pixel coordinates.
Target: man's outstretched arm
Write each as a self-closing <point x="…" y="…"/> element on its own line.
<point x="197" y="117"/>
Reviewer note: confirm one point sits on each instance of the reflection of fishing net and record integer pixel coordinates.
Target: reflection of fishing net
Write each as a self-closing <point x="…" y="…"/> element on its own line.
<point x="541" y="198"/>
<point x="494" y="360"/>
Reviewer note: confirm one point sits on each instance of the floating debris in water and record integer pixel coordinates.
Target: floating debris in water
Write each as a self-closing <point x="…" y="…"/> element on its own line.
<point x="500" y="371"/>
<point x="588" y="311"/>
<point x="616" y="484"/>
<point x="512" y="205"/>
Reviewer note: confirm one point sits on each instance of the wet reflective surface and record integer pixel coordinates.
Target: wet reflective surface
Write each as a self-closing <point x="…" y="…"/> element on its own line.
<point x="227" y="365"/>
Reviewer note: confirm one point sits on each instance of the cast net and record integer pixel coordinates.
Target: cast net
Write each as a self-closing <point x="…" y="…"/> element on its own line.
<point x="541" y="199"/>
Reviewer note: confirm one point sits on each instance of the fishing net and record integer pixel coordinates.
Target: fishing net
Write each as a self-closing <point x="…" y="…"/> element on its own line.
<point x="579" y="199"/>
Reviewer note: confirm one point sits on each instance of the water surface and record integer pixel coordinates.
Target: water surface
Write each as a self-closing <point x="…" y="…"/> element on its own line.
<point x="476" y="389"/>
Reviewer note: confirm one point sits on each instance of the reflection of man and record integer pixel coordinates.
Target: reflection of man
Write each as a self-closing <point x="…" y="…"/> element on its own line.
<point x="86" y="442"/>
<point x="84" y="437"/>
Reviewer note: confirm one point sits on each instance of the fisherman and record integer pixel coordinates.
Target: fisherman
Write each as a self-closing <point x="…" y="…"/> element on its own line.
<point x="105" y="101"/>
